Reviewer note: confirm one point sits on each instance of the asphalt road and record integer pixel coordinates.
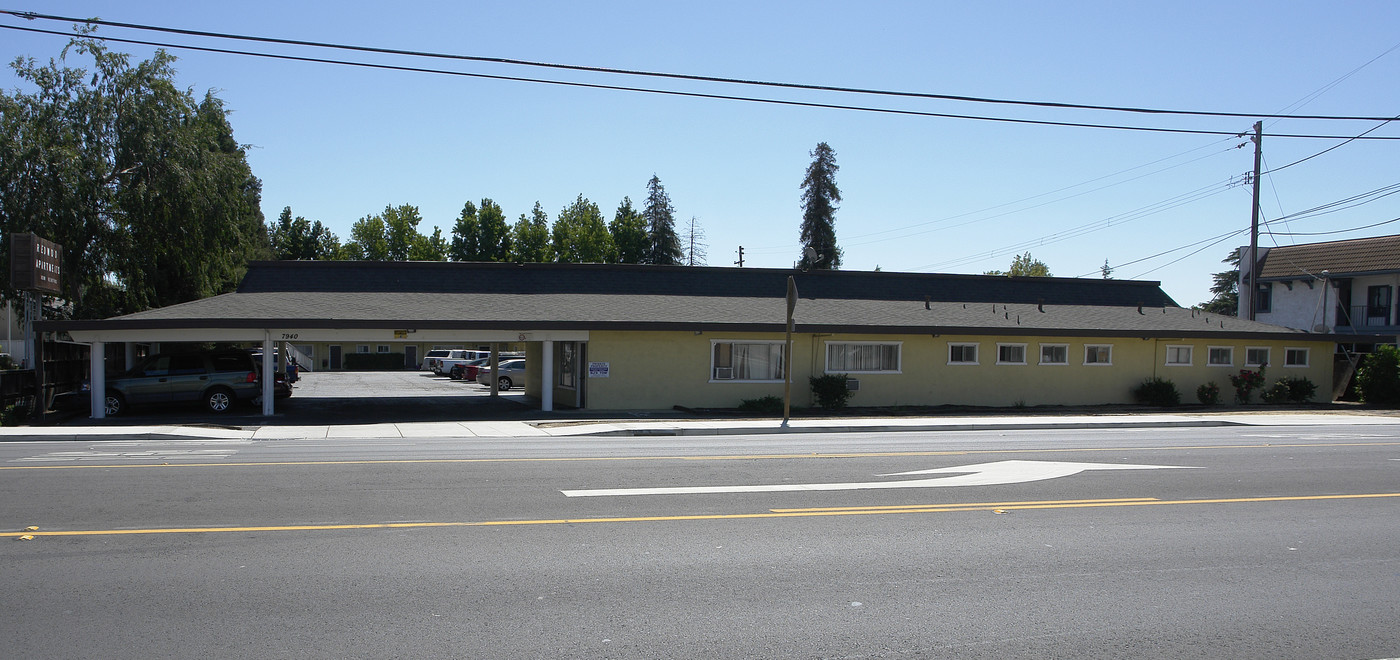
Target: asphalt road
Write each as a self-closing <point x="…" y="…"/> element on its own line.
<point x="1227" y="542"/>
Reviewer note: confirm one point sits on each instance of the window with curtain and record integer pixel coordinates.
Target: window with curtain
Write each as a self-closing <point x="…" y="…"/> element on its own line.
<point x="746" y="361"/>
<point x="862" y="357"/>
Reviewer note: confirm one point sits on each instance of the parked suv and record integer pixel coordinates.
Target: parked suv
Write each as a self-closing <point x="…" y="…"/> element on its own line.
<point x="215" y="380"/>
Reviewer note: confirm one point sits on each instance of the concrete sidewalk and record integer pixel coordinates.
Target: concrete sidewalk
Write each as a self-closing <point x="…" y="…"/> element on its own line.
<point x="678" y="427"/>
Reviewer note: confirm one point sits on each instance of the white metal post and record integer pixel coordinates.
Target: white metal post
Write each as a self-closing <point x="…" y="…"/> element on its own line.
<point x="547" y="377"/>
<point x="97" y="378"/>
<point x="269" y="375"/>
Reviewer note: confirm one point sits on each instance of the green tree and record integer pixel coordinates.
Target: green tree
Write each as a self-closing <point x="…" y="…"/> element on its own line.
<point x="368" y="240"/>
<point x="580" y="236"/>
<point x="629" y="234"/>
<point x="401" y="231"/>
<point x="139" y="181"/>
<point x="1378" y="377"/>
<point x="466" y="236"/>
<point x="661" y="226"/>
<point x="1226" y="288"/>
<point x="819" y="198"/>
<point x="300" y="239"/>
<point x="495" y="233"/>
<point x="1024" y="265"/>
<point x="429" y="248"/>
<point x="529" y="237"/>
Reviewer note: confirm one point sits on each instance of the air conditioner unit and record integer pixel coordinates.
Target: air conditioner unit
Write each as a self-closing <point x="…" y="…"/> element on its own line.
<point x="724" y="373"/>
<point x="852" y="385"/>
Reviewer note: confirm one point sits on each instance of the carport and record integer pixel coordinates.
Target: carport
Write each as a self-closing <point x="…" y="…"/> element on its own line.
<point x="345" y="302"/>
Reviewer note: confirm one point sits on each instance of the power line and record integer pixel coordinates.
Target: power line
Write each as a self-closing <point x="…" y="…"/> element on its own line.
<point x="673" y="76"/>
<point x="666" y="92"/>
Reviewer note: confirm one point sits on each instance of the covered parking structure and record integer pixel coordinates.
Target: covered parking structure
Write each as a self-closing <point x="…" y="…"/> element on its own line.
<point x="337" y="304"/>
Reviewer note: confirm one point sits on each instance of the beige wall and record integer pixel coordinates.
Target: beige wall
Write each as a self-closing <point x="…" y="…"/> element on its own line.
<point x="658" y="370"/>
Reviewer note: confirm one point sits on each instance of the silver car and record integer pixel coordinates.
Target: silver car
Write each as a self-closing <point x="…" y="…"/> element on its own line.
<point x="507" y="374"/>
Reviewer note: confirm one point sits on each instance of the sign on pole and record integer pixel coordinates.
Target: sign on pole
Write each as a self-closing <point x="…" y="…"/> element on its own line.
<point x="35" y="264"/>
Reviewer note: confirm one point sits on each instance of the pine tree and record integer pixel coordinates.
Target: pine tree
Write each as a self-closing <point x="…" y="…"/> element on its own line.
<point x="661" y="226"/>
<point x="819" y="198"/>
<point x="696" y="251"/>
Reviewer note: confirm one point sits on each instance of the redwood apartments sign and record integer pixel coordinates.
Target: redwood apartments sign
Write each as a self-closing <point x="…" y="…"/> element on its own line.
<point x="35" y="264"/>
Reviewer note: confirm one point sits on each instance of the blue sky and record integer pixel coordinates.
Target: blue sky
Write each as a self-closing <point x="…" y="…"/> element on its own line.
<point x="924" y="194"/>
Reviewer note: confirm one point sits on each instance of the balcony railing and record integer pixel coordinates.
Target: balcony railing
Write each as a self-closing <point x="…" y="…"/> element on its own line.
<point x="1364" y="316"/>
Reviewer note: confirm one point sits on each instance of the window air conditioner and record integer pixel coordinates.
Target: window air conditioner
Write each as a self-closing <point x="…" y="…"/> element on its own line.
<point x="724" y="373"/>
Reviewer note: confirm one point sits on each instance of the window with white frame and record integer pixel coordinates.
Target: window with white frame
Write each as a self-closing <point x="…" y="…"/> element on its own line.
<point x="1054" y="353"/>
<point x="1256" y="356"/>
<point x="1011" y="353"/>
<point x="962" y="353"/>
<point x="362" y="348"/>
<point x="382" y="348"/>
<point x="862" y="357"/>
<point x="1220" y="356"/>
<point x="1179" y="356"/>
<point x="738" y="360"/>
<point x="1295" y="357"/>
<point x="1098" y="354"/>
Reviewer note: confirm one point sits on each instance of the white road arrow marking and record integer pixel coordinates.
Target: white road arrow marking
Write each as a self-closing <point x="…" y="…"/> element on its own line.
<point x="981" y="474"/>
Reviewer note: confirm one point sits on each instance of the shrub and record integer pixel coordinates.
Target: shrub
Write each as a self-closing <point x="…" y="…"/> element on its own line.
<point x="1300" y="390"/>
<point x="1157" y="392"/>
<point x="767" y="404"/>
<point x="830" y="391"/>
<point x="1245" y="384"/>
<point x="1276" y="393"/>
<point x="1208" y="394"/>
<point x="1289" y="390"/>
<point x="1378" y="377"/>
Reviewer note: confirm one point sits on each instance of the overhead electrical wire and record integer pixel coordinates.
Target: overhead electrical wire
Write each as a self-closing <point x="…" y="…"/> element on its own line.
<point x="27" y="15"/>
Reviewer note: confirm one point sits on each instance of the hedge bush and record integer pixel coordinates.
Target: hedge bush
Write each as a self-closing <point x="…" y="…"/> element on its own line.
<point x="1157" y="392"/>
<point x="830" y="391"/>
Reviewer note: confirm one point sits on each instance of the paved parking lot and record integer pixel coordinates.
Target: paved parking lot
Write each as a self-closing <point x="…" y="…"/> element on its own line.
<point x="354" y="397"/>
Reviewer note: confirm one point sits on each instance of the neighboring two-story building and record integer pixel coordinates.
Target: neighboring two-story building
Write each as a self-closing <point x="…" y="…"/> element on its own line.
<point x="1336" y="287"/>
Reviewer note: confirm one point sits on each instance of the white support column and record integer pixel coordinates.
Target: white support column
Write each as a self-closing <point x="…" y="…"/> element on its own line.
<point x="269" y="375"/>
<point x="97" y="378"/>
<point x="547" y="377"/>
<point x="129" y="354"/>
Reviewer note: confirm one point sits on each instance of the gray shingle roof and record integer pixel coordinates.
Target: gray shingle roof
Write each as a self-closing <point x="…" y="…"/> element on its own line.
<point x="597" y="297"/>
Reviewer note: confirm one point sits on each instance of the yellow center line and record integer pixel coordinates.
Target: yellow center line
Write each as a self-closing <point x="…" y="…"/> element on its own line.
<point x="774" y="513"/>
<point x="720" y="457"/>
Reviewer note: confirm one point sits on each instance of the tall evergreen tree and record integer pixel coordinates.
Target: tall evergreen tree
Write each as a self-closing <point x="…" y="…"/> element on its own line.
<point x="629" y="234"/>
<point x="819" y="198"/>
<point x="529" y="237"/>
<point x="1226" y="288"/>
<point x="661" y="226"/>
<point x="580" y="236"/>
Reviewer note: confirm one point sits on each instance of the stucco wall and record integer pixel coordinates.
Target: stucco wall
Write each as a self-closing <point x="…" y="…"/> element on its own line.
<point x="655" y="370"/>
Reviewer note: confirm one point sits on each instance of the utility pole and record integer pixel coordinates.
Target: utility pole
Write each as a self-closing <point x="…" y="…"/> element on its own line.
<point x="1254" y="223"/>
<point x="740" y="262"/>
